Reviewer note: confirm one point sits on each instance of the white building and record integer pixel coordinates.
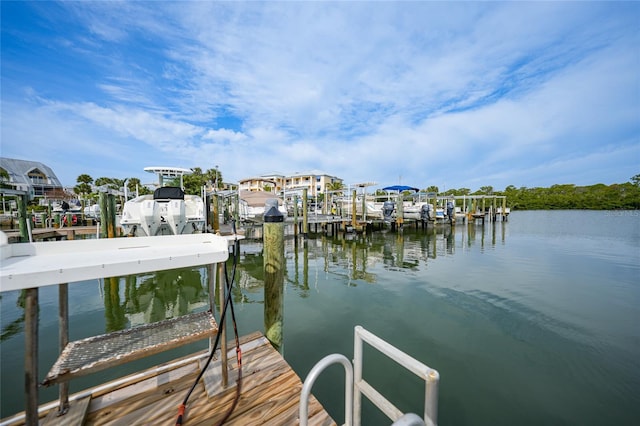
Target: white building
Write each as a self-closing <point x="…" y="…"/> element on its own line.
<point x="315" y="182"/>
<point x="32" y="177"/>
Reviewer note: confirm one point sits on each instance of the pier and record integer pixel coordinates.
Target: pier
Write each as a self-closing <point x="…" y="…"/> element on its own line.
<point x="55" y="234"/>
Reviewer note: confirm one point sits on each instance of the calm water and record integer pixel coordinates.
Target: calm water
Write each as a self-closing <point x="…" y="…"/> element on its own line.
<point x="534" y="321"/>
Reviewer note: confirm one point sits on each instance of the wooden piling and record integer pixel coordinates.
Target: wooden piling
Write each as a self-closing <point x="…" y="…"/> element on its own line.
<point x="504" y="208"/>
<point x="305" y="214"/>
<point x="295" y="216"/>
<point x="22" y="218"/>
<point x="111" y="225"/>
<point x="31" y="356"/>
<point x="400" y="211"/>
<point x="104" y="214"/>
<point x="353" y="209"/>
<point x="216" y="212"/>
<point x="273" y="239"/>
<point x="63" y="340"/>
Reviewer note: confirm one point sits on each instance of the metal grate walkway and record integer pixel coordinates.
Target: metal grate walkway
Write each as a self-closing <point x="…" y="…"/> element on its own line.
<point x="96" y="353"/>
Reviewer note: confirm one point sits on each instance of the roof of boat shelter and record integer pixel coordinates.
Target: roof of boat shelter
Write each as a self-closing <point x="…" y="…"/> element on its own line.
<point x="168" y="171"/>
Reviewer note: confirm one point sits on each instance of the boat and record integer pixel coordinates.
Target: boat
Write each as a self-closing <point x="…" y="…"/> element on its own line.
<point x="252" y="205"/>
<point x="168" y="211"/>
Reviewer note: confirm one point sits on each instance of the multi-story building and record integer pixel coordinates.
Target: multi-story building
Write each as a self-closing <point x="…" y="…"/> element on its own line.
<point x="269" y="183"/>
<point x="32" y="177"/>
<point x="315" y="182"/>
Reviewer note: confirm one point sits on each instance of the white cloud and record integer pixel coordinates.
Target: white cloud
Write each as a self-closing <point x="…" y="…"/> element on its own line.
<point x="425" y="92"/>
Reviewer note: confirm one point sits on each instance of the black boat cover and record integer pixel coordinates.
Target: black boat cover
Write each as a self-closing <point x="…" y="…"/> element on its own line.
<point x="168" y="193"/>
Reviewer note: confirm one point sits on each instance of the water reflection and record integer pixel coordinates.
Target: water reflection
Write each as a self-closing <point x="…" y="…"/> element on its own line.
<point x="153" y="297"/>
<point x="352" y="258"/>
<point x="527" y="324"/>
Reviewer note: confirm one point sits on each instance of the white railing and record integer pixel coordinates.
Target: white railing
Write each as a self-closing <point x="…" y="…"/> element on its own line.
<point x="311" y="379"/>
<point x="356" y="386"/>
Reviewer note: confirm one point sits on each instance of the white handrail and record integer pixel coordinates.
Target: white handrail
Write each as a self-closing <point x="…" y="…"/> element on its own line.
<point x="313" y="375"/>
<point x="429" y="375"/>
<point x="355" y="386"/>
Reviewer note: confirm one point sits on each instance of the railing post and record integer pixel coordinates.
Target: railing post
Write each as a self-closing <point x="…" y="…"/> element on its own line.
<point x="431" y="398"/>
<point x="357" y="377"/>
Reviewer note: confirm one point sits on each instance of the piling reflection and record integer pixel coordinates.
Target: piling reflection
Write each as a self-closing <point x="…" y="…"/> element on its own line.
<point x="352" y="259"/>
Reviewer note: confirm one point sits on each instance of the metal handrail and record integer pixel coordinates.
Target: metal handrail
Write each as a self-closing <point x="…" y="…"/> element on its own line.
<point x="355" y="386"/>
<point x="429" y="375"/>
<point x="313" y="375"/>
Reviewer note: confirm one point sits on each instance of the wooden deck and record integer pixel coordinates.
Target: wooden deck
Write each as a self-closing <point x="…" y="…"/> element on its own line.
<point x="270" y="393"/>
<point x="39" y="234"/>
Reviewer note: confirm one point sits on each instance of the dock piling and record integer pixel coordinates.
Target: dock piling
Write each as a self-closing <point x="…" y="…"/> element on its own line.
<point x="273" y="273"/>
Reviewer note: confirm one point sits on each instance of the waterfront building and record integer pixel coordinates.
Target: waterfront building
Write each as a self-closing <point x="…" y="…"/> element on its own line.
<point x="36" y="179"/>
<point x="315" y="182"/>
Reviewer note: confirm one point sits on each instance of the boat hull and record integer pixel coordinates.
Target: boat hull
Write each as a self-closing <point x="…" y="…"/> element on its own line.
<point x="146" y="216"/>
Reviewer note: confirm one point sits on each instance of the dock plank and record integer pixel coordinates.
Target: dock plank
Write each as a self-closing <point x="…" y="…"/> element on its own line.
<point x="74" y="417"/>
<point x="270" y="396"/>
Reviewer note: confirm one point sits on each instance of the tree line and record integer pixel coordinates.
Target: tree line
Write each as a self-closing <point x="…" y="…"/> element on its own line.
<point x="624" y="196"/>
<point x="88" y="188"/>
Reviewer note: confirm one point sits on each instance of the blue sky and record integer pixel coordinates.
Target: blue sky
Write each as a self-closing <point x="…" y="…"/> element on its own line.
<point x="452" y="94"/>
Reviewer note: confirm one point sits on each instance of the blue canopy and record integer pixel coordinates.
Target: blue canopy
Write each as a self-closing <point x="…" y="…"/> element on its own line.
<point x="400" y="188"/>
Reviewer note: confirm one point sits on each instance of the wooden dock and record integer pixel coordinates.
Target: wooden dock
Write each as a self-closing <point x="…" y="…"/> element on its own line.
<point x="45" y="234"/>
<point x="270" y="394"/>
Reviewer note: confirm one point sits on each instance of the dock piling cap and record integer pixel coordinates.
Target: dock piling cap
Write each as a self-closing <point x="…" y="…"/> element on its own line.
<point x="271" y="212"/>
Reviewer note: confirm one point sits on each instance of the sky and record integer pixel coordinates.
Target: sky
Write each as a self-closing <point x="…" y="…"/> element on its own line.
<point x="451" y="94"/>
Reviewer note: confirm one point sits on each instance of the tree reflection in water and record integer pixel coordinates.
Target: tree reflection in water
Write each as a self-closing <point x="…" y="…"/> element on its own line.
<point x="153" y="297"/>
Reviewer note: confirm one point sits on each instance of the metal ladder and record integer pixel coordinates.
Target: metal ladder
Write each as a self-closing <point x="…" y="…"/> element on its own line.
<point x="356" y="386"/>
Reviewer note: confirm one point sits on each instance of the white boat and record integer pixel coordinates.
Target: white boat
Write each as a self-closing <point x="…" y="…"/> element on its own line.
<point x="92" y="211"/>
<point x="168" y="211"/>
<point x="252" y="205"/>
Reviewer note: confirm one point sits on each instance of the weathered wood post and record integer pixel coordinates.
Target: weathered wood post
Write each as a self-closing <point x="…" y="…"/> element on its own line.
<point x="504" y="208"/>
<point x="305" y="214"/>
<point x="31" y="356"/>
<point x="216" y="213"/>
<point x="104" y="214"/>
<point x="400" y="211"/>
<point x="273" y="272"/>
<point x="63" y="340"/>
<point x="107" y="215"/>
<point x="494" y="211"/>
<point x="22" y="218"/>
<point x="353" y="209"/>
<point x="295" y="217"/>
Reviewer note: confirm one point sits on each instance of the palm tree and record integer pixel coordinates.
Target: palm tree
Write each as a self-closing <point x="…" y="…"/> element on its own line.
<point x="336" y="186"/>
